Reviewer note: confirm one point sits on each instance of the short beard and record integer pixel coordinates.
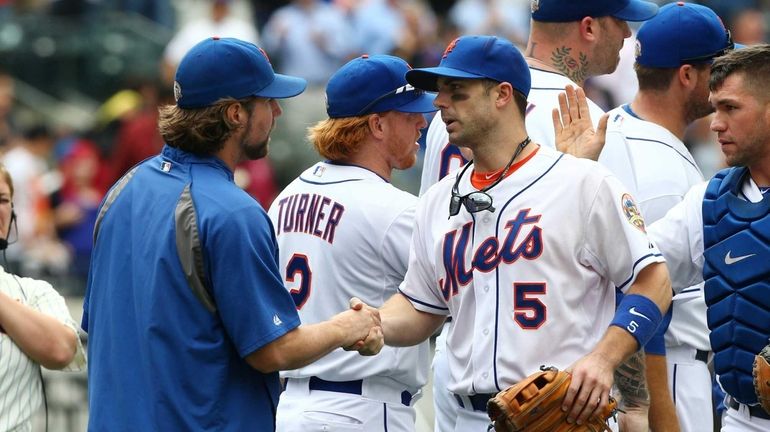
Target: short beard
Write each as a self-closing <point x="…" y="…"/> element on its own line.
<point x="694" y="109"/>
<point x="257" y="151"/>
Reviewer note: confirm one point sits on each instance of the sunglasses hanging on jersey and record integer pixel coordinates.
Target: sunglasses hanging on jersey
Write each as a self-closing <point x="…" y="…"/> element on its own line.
<point x="477" y="201"/>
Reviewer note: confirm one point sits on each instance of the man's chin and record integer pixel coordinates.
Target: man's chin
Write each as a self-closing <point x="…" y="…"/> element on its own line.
<point x="258" y="151"/>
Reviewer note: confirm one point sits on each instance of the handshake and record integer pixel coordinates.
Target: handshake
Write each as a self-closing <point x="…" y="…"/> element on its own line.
<point x="360" y="328"/>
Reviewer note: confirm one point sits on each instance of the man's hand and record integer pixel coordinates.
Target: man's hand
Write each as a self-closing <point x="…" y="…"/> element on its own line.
<point x="573" y="129"/>
<point x="589" y="391"/>
<point x="373" y="341"/>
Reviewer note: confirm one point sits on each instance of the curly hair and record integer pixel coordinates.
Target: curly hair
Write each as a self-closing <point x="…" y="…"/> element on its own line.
<point x="339" y="138"/>
<point x="202" y="131"/>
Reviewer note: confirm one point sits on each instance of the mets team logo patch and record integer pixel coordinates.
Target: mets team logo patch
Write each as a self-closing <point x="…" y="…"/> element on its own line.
<point x="631" y="210"/>
<point x="534" y="5"/>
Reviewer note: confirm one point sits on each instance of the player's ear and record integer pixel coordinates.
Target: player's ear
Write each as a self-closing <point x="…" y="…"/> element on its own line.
<point x="504" y="94"/>
<point x="589" y="28"/>
<point x="376" y="125"/>
<point x="234" y="113"/>
<point x="687" y="76"/>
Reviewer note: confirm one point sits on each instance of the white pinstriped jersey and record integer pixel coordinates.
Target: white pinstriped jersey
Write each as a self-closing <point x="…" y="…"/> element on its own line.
<point x="344" y="231"/>
<point x="442" y="158"/>
<point x="658" y="170"/>
<point x="20" y="392"/>
<point x="538" y="272"/>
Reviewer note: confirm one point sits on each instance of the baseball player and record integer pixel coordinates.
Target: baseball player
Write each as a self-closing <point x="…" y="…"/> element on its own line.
<point x="512" y="249"/>
<point x="187" y="315"/>
<point x="343" y="230"/>
<point x="718" y="233"/>
<point x="644" y="150"/>
<point x="569" y="42"/>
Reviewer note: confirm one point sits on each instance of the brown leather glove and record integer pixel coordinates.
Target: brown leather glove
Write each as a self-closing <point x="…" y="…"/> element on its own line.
<point x="762" y="377"/>
<point x="534" y="405"/>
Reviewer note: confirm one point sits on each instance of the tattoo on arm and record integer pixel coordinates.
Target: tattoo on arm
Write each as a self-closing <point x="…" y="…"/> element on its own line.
<point x="631" y="381"/>
<point x="574" y="69"/>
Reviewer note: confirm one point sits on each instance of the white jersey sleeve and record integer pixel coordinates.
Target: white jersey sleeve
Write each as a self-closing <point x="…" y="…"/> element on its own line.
<point x="441" y="157"/>
<point x="652" y="162"/>
<point x="543" y="98"/>
<point x="616" y="211"/>
<point x="679" y="236"/>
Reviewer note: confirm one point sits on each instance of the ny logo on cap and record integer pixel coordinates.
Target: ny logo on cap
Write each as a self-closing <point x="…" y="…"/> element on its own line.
<point x="450" y="47"/>
<point x="637" y="49"/>
<point x="534" y="5"/>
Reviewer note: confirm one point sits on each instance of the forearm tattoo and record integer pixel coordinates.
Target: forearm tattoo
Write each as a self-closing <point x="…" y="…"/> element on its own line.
<point x="631" y="381"/>
<point x="575" y="69"/>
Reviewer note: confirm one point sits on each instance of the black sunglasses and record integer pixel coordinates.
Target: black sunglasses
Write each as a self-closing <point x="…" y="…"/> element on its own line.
<point x="477" y="201"/>
<point x="705" y="58"/>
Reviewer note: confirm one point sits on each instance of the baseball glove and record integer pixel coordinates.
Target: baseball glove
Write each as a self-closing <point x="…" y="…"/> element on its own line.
<point x="534" y="405"/>
<point x="762" y="377"/>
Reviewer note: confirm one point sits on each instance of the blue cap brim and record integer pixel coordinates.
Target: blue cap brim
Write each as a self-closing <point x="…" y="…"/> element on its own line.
<point x="637" y="10"/>
<point x="423" y="104"/>
<point x="427" y="78"/>
<point x="283" y="86"/>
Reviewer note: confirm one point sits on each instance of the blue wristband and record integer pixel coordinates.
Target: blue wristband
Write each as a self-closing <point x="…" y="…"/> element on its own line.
<point x="639" y="316"/>
<point x="657" y="345"/>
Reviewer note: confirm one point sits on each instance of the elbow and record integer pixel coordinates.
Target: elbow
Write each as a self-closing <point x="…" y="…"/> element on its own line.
<point x="60" y="353"/>
<point x="268" y="360"/>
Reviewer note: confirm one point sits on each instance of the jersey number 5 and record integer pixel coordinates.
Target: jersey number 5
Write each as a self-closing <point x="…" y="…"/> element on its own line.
<point x="528" y="311"/>
<point x="299" y="265"/>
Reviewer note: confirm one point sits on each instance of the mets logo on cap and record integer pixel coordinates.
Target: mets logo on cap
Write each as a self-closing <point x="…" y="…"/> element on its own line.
<point x="450" y="47"/>
<point x="632" y="212"/>
<point x="534" y="5"/>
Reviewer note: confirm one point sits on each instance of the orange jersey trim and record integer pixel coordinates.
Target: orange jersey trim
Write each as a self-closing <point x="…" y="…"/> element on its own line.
<point x="480" y="180"/>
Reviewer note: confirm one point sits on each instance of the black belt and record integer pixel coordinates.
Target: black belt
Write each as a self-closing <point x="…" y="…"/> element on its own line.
<point x="351" y="387"/>
<point x="478" y="401"/>
<point x="702" y="356"/>
<point x="754" y="410"/>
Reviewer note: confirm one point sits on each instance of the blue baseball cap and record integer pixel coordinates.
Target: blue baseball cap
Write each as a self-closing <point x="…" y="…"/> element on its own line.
<point x="682" y="33"/>
<point x="477" y="57"/>
<point x="374" y="84"/>
<point x="216" y="68"/>
<point x="576" y="10"/>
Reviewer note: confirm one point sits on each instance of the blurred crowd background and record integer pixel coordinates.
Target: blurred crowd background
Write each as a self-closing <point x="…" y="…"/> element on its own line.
<point x="81" y="80"/>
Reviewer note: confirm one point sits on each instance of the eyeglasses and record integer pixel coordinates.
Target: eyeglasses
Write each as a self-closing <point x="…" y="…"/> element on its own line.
<point x="477" y="201"/>
<point x="705" y="58"/>
<point x="403" y="89"/>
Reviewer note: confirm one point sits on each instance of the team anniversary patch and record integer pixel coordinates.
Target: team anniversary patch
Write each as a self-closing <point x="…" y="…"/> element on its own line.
<point x="632" y="212"/>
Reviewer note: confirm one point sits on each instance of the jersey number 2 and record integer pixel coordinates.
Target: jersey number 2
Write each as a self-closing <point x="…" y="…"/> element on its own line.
<point x="299" y="265"/>
<point x="528" y="311"/>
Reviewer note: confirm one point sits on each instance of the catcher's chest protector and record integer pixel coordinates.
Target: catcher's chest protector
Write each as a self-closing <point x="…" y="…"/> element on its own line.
<point x="736" y="237"/>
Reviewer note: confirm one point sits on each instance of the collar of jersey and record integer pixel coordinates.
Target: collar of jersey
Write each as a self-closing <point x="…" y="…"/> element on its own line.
<point x="627" y="108"/>
<point x="175" y="155"/>
<point x="479" y="180"/>
<point x="343" y="164"/>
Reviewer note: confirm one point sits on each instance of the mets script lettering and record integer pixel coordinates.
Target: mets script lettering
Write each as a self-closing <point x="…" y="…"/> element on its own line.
<point x="490" y="253"/>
